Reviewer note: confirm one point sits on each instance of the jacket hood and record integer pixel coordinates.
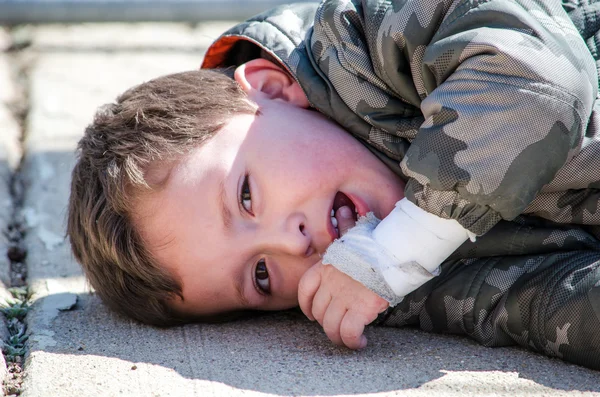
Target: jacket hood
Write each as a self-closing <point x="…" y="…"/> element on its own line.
<point x="278" y="34"/>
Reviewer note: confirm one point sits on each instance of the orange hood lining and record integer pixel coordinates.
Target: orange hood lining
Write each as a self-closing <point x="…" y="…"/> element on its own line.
<point x="217" y="52"/>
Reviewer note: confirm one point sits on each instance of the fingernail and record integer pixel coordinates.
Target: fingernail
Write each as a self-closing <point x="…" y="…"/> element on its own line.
<point x="345" y="212"/>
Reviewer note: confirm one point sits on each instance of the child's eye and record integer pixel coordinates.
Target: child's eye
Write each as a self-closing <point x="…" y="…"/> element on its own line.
<point x="261" y="275"/>
<point x="246" y="196"/>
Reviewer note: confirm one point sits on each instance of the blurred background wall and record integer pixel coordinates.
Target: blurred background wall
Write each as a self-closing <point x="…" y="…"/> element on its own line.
<point x="14" y="12"/>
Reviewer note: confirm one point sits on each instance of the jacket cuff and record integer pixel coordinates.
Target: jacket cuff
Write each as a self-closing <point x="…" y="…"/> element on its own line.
<point x="412" y="234"/>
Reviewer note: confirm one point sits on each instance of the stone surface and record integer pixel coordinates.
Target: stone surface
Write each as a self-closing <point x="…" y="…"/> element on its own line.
<point x="9" y="157"/>
<point x="78" y="348"/>
<point x="282" y="354"/>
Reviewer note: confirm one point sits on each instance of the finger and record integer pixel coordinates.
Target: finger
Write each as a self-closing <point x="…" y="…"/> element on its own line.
<point x="332" y="322"/>
<point x="345" y="219"/>
<point x="352" y="327"/>
<point x="375" y="306"/>
<point x="320" y="304"/>
<point x="307" y="288"/>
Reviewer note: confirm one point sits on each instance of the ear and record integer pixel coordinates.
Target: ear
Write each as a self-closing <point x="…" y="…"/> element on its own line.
<point x="262" y="76"/>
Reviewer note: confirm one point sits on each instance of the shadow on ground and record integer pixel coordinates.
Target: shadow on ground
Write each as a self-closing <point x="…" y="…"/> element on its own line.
<point x="284" y="353"/>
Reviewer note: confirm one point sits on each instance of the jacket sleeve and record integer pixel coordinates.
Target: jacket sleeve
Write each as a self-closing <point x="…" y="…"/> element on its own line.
<point x="542" y="293"/>
<point x="505" y="89"/>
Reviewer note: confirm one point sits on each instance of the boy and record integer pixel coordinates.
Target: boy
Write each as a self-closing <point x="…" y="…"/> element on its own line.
<point x="191" y="199"/>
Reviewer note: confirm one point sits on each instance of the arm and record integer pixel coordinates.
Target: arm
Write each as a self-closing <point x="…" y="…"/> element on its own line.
<point x="395" y="256"/>
<point x="370" y="271"/>
<point x="505" y="89"/>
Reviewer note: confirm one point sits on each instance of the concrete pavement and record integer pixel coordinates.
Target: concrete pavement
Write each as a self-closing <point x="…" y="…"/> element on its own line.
<point x="78" y="348"/>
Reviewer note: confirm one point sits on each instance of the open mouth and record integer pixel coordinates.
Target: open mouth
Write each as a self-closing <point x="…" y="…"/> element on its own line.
<point x="339" y="201"/>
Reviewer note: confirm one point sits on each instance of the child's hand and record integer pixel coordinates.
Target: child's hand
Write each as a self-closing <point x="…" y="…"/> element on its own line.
<point x="342" y="305"/>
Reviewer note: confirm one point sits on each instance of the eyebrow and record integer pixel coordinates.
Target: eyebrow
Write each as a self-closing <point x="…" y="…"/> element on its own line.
<point x="225" y="212"/>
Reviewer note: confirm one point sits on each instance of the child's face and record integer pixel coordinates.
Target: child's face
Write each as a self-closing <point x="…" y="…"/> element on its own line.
<point x="247" y="213"/>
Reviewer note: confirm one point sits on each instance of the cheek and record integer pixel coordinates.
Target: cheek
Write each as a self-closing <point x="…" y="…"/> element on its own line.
<point x="293" y="274"/>
<point x="309" y="155"/>
<point x="300" y="170"/>
<point x="323" y="164"/>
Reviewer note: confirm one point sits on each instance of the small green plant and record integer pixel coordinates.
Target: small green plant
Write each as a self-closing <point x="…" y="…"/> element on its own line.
<point x="20" y="293"/>
<point x="15" y="309"/>
<point x="18" y="306"/>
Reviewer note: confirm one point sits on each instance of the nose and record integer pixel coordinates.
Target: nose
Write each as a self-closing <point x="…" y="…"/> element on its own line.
<point x="290" y="236"/>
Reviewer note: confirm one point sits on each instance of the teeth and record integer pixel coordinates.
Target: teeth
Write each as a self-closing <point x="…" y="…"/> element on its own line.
<point x="332" y="213"/>
<point x="337" y="232"/>
<point x="334" y="221"/>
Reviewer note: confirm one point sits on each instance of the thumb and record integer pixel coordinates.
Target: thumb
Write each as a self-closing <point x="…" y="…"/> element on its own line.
<point x="345" y="219"/>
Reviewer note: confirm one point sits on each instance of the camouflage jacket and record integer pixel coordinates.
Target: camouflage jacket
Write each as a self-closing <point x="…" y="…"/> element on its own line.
<point x="487" y="108"/>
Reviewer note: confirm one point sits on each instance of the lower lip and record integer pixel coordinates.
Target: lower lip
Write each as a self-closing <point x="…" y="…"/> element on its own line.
<point x="361" y="208"/>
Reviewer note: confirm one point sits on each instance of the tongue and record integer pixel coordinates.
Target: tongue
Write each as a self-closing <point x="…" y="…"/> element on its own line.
<point x="341" y="200"/>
